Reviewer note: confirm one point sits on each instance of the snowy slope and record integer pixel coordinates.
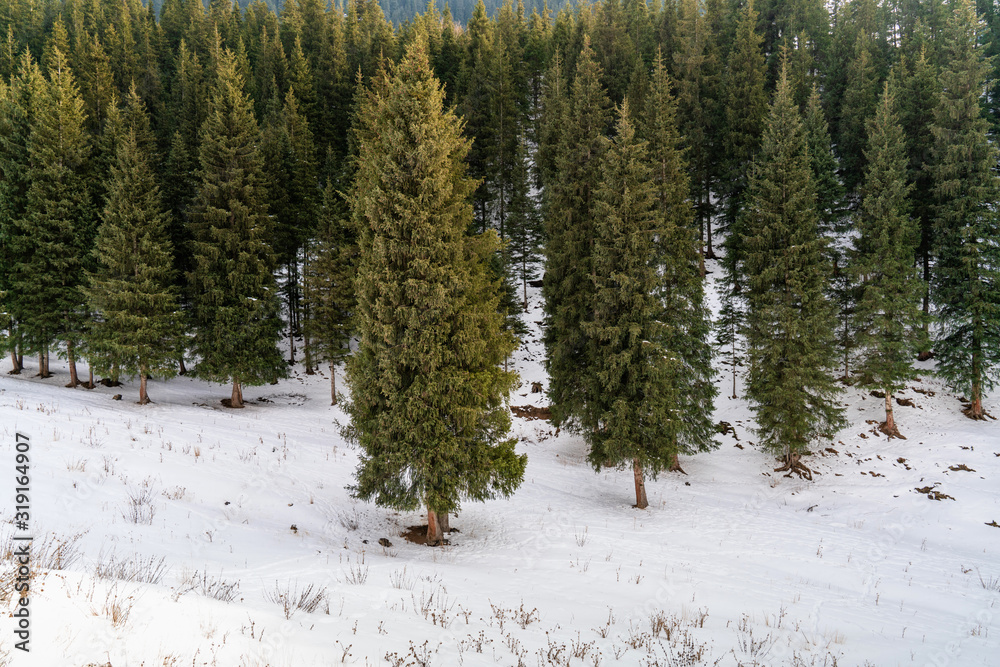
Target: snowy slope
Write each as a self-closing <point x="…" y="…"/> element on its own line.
<point x="731" y="564"/>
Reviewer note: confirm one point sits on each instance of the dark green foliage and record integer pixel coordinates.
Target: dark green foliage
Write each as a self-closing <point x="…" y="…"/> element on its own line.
<point x="235" y="300"/>
<point x="138" y="325"/>
<point x="54" y="237"/>
<point x="428" y="398"/>
<point x="681" y="287"/>
<point x="966" y="278"/>
<point x="887" y="316"/>
<point x="17" y="104"/>
<point x="823" y="164"/>
<point x="860" y="98"/>
<point x="631" y="417"/>
<point x="330" y="262"/>
<point x="919" y="93"/>
<point x="569" y="228"/>
<point x="526" y="231"/>
<point x="745" y="114"/>
<point x="789" y="320"/>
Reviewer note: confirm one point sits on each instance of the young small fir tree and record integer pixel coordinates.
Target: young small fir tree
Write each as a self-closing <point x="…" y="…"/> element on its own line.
<point x="790" y="322"/>
<point x="235" y="302"/>
<point x="887" y="317"/>
<point x="331" y="260"/>
<point x="428" y="396"/>
<point x="139" y="326"/>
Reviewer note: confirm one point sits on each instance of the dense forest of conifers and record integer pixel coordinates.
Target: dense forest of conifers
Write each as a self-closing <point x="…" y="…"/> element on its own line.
<point x="203" y="182"/>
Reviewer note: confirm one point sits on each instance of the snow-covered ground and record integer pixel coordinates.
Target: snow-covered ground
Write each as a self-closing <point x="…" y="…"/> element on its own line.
<point x="235" y="514"/>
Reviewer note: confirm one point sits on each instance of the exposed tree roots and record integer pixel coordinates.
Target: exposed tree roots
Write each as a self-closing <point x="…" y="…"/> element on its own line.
<point x="892" y="431"/>
<point x="794" y="464"/>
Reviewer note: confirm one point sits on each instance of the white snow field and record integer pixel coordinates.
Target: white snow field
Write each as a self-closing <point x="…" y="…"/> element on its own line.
<point x="184" y="533"/>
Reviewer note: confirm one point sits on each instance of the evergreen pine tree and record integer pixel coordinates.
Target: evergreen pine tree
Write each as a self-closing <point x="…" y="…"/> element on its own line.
<point x="139" y="326"/>
<point x="745" y="114"/>
<point x="631" y="417"/>
<point x="966" y="277"/>
<point x="920" y="91"/>
<point x="789" y="320"/>
<point x="681" y="289"/>
<point x="887" y="315"/>
<point x="17" y="108"/>
<point x="860" y="99"/>
<point x="427" y="393"/>
<point x="235" y="301"/>
<point x="331" y="259"/>
<point x="525" y="224"/>
<point x="569" y="227"/>
<point x="55" y="235"/>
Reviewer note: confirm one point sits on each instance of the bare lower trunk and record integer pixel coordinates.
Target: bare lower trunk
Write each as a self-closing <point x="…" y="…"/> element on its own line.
<point x="43" y="364"/>
<point x="16" y="370"/>
<point x="525" y="283"/>
<point x="291" y="343"/>
<point x="71" y="357"/>
<point x="434" y="537"/>
<point x="143" y="397"/>
<point x="710" y="252"/>
<point x="640" y="486"/>
<point x="975" y="410"/>
<point x="307" y="352"/>
<point x="237" y="399"/>
<point x="675" y="463"/>
<point x="890" y="422"/>
<point x="90" y="376"/>
<point x="333" y="384"/>
<point x="183" y="370"/>
<point x="444" y="522"/>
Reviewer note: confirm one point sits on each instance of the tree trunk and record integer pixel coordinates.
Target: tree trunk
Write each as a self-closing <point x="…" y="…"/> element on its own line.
<point x="434" y="537"/>
<point x="333" y="384"/>
<point x="710" y="252"/>
<point x="889" y="425"/>
<point x="16" y="370"/>
<point x="444" y="521"/>
<point x="237" y="399"/>
<point x="71" y="357"/>
<point x="143" y="397"/>
<point x="976" y="409"/>
<point x="90" y="376"/>
<point x="640" y="486"/>
<point x="291" y="342"/>
<point x="183" y="370"/>
<point x="524" y="281"/>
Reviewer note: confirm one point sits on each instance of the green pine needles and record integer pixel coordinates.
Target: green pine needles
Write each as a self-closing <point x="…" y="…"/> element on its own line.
<point x="790" y="322"/>
<point x="887" y="316"/>
<point x="428" y="395"/>
<point x="235" y="301"/>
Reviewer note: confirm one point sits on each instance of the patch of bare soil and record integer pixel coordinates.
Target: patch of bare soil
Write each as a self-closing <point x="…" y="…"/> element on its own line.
<point x="530" y="412"/>
<point x="418" y="534"/>
<point x="932" y="494"/>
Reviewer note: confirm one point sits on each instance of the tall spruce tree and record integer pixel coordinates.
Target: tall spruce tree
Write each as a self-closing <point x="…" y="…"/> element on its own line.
<point x="681" y="289"/>
<point x="966" y="277"/>
<point x="54" y="237"/>
<point x="631" y="417"/>
<point x="17" y="108"/>
<point x="235" y="301"/>
<point x="789" y="320"/>
<point x="139" y="327"/>
<point x="428" y="396"/>
<point x="569" y="226"/>
<point x="745" y="113"/>
<point x="887" y="316"/>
